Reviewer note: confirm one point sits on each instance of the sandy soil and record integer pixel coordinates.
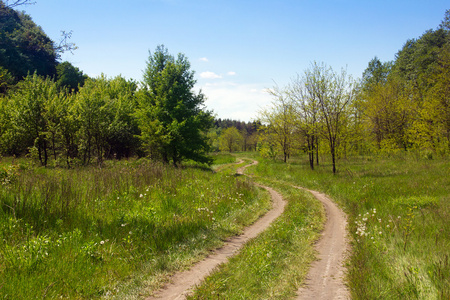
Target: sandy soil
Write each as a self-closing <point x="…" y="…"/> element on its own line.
<point x="325" y="278"/>
<point x="181" y="283"/>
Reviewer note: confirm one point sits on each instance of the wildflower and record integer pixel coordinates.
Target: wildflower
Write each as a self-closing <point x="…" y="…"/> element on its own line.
<point x="102" y="242"/>
<point x="130" y="232"/>
<point x="141" y="195"/>
<point x="388" y="226"/>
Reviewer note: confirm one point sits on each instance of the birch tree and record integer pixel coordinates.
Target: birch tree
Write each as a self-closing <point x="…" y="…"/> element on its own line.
<point x="334" y="92"/>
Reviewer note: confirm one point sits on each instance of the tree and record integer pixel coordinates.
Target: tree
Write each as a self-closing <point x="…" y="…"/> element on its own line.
<point x="308" y="115"/>
<point x="70" y="77"/>
<point x="6" y="80"/>
<point x="280" y="121"/>
<point x="334" y="91"/>
<point x="230" y="139"/>
<point x="25" y="46"/>
<point x="105" y="111"/>
<point x="172" y="119"/>
<point x="375" y="73"/>
<point x="32" y="119"/>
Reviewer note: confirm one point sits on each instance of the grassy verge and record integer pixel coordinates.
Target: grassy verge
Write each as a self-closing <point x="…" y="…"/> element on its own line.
<point x="90" y="233"/>
<point x="273" y="265"/>
<point x="399" y="219"/>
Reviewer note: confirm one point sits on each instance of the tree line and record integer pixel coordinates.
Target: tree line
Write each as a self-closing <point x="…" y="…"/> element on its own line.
<point x="51" y="111"/>
<point x="401" y="105"/>
<point x="161" y="117"/>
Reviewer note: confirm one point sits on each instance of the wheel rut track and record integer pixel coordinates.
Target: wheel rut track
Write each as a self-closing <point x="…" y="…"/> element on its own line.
<point x="182" y="283"/>
<point x="325" y="279"/>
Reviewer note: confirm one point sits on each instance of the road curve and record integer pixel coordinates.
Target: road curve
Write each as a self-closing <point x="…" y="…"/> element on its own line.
<point x="182" y="283"/>
<point x="325" y="279"/>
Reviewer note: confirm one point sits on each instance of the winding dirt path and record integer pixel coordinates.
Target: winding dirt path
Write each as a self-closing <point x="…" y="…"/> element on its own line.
<point x="181" y="283"/>
<point x="325" y="278"/>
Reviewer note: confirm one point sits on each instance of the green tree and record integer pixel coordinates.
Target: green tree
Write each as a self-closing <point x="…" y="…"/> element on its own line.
<point x="32" y="118"/>
<point x="230" y="139"/>
<point x="376" y="72"/>
<point x="308" y="120"/>
<point x="25" y="46"/>
<point x="6" y="80"/>
<point x="70" y="77"/>
<point x="335" y="92"/>
<point x="105" y="112"/>
<point x="280" y="121"/>
<point x="171" y="116"/>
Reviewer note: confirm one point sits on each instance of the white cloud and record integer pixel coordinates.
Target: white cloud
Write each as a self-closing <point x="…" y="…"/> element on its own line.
<point x="235" y="101"/>
<point x="204" y="59"/>
<point x="209" y="75"/>
<point x="231" y="73"/>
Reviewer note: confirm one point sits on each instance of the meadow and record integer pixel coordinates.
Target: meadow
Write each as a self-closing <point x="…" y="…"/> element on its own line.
<point x="399" y="220"/>
<point x="117" y="231"/>
<point x="120" y="231"/>
<point x="274" y="264"/>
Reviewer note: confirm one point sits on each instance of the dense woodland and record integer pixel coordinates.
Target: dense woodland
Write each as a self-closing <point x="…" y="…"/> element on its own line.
<point x="54" y="113"/>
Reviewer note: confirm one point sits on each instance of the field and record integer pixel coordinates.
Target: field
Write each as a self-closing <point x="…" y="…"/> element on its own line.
<point x="399" y="217"/>
<point x="90" y="232"/>
<point x="121" y="230"/>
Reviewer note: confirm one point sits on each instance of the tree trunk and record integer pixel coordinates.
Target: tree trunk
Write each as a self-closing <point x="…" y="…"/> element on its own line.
<point x="45" y="153"/>
<point x="317" y="150"/>
<point x="333" y="157"/>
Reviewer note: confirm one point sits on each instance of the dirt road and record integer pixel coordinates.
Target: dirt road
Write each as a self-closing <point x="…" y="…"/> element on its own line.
<point x="325" y="278"/>
<point x="182" y="283"/>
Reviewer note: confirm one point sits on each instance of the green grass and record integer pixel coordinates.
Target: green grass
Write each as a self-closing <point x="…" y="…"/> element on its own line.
<point x="399" y="220"/>
<point x="115" y="232"/>
<point x="88" y="233"/>
<point x="273" y="265"/>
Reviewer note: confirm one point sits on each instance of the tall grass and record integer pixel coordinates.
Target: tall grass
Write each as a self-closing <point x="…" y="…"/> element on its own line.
<point x="274" y="264"/>
<point x="89" y="232"/>
<point x="399" y="220"/>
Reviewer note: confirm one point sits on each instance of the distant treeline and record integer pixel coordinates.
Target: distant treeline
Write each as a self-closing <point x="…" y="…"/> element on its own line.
<point x="400" y="105"/>
<point x="50" y="110"/>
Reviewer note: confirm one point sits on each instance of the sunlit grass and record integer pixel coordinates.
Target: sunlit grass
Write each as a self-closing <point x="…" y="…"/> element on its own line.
<point x="89" y="232"/>
<point x="274" y="264"/>
<point x="402" y="205"/>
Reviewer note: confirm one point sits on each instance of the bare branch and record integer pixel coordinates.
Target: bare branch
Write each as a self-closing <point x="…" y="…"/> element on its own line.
<point x="64" y="44"/>
<point x="11" y="4"/>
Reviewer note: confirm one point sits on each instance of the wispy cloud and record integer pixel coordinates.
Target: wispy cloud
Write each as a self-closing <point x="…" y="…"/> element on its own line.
<point x="204" y="59"/>
<point x="209" y="75"/>
<point x="236" y="101"/>
<point x="231" y="73"/>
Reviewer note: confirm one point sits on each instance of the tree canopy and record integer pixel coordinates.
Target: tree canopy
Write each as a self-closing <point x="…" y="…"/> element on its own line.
<point x="25" y="48"/>
<point x="172" y="119"/>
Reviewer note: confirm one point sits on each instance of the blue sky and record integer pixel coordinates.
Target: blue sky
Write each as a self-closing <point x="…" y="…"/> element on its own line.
<point x="237" y="48"/>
